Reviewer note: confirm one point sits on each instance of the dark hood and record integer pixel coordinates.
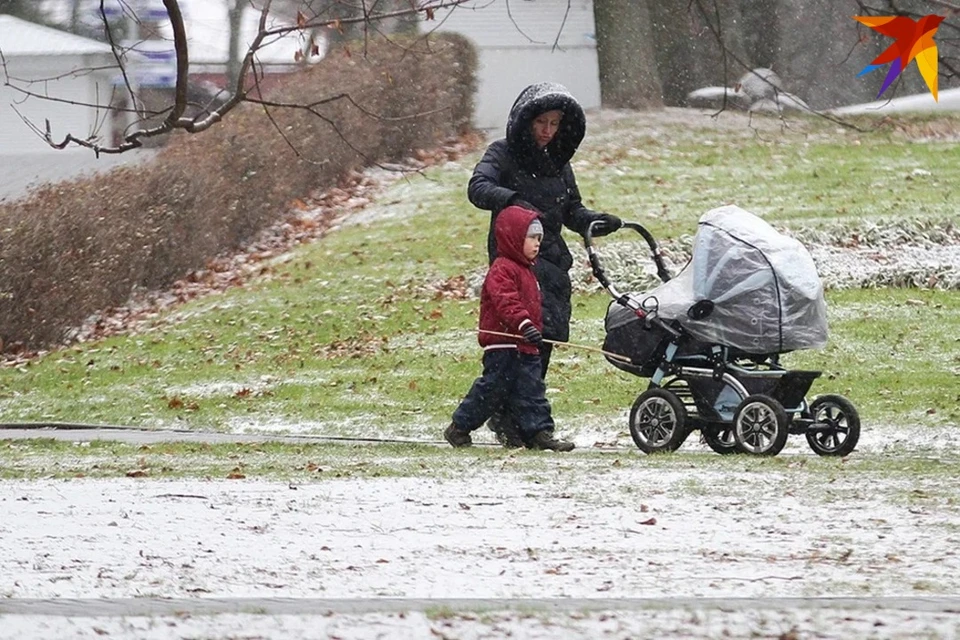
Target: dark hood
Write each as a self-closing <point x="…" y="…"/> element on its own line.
<point x="532" y="101"/>
<point x="511" y="232"/>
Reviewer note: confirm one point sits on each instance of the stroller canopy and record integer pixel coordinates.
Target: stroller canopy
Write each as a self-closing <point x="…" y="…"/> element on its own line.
<point x="766" y="294"/>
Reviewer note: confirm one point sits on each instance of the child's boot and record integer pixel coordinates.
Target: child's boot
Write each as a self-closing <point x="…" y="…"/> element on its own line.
<point x="456" y="437"/>
<point x="545" y="440"/>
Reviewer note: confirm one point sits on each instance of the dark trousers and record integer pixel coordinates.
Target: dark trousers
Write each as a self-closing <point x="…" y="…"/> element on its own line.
<point x="511" y="384"/>
<point x="546" y="350"/>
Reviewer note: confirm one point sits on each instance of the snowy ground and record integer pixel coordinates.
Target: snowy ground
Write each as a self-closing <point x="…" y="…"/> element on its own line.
<point x="634" y="551"/>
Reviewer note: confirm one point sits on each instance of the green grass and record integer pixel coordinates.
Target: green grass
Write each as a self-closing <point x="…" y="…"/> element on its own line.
<point x="809" y="172"/>
<point x="350" y="336"/>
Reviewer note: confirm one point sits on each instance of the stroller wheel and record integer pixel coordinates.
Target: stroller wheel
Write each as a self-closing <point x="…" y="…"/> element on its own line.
<point x="658" y="421"/>
<point x="836" y="426"/>
<point x="760" y="426"/>
<point x="720" y="438"/>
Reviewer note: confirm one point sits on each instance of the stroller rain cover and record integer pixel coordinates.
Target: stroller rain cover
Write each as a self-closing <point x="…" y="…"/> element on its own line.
<point x="767" y="294"/>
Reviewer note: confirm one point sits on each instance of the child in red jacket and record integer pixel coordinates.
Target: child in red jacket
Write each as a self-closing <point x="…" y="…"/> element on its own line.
<point x="510" y="303"/>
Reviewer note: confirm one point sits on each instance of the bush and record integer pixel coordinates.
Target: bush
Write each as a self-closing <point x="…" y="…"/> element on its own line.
<point x="74" y="248"/>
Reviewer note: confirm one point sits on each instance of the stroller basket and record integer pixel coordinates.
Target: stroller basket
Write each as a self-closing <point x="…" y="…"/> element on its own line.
<point x="629" y="336"/>
<point x="789" y="389"/>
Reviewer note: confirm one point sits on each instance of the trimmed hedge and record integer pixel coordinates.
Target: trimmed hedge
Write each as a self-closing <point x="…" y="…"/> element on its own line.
<point x="74" y="248"/>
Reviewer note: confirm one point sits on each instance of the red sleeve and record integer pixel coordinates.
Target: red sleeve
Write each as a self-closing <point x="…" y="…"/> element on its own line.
<point x="503" y="282"/>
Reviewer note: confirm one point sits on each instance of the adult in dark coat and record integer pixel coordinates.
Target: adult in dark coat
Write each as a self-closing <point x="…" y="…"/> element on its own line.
<point x="531" y="167"/>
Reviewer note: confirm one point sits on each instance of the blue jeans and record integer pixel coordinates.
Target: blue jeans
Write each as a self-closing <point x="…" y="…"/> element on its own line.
<point x="511" y="384"/>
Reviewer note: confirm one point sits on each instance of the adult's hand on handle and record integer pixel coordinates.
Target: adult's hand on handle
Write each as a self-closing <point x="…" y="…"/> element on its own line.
<point x="608" y="223"/>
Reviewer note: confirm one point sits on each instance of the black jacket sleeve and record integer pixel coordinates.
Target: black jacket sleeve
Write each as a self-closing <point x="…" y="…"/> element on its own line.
<point x="484" y="189"/>
<point x="576" y="217"/>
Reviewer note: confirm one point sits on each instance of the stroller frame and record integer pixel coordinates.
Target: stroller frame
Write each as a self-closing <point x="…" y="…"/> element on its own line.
<point x="740" y="402"/>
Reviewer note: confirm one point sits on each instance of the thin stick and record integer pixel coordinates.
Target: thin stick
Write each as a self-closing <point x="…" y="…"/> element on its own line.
<point x="615" y="356"/>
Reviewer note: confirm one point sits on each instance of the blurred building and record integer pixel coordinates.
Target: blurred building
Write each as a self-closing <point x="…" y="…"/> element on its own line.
<point x="70" y="77"/>
<point x="520" y="43"/>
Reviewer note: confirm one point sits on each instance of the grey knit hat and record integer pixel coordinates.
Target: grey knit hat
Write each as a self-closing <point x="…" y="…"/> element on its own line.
<point x="535" y="228"/>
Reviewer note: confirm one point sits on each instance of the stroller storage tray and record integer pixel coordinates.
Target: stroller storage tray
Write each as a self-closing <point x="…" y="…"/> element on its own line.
<point x="793" y="386"/>
<point x="788" y="389"/>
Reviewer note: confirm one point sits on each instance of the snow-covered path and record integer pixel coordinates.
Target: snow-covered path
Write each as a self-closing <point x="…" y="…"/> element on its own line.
<point x="637" y="534"/>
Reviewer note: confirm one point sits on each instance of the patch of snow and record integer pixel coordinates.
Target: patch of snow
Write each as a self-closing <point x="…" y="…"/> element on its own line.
<point x="354" y="424"/>
<point x="635" y="531"/>
<point x="492" y="535"/>
<point x="907" y="265"/>
<point x="219" y="388"/>
<point x="768" y="620"/>
<point x="949" y="100"/>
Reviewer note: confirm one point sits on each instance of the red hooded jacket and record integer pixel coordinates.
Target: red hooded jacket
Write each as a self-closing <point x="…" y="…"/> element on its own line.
<point x="510" y="297"/>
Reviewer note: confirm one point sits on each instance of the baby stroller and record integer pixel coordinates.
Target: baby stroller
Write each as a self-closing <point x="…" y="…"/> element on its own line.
<point x="710" y="341"/>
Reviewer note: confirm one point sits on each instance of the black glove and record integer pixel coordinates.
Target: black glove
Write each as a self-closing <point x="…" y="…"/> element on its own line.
<point x="532" y="335"/>
<point x="608" y="223"/>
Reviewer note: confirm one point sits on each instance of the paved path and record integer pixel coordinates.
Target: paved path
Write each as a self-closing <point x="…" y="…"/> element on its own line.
<point x="23" y="171"/>
<point x="949" y="100"/>
<point x="84" y="433"/>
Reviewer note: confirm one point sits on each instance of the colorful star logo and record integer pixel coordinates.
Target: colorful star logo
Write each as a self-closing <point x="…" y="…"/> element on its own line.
<point x="913" y="39"/>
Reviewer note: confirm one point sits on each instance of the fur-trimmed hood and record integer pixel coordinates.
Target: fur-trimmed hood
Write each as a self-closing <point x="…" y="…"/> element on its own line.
<point x="532" y="101"/>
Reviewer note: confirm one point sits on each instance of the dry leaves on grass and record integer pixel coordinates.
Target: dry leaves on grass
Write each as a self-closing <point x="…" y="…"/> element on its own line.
<point x="306" y="221"/>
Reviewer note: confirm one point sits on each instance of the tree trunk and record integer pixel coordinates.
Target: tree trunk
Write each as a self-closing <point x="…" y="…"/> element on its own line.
<point x="690" y="55"/>
<point x="628" y="70"/>
<point x="74" y="16"/>
<point x="722" y="46"/>
<point x="235" y="18"/>
<point x="25" y="9"/>
<point x="761" y="31"/>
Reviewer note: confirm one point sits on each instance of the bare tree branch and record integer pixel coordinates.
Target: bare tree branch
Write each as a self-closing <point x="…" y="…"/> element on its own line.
<point x="117" y="49"/>
<point x="566" y="14"/>
<point x="248" y="78"/>
<point x="517" y="27"/>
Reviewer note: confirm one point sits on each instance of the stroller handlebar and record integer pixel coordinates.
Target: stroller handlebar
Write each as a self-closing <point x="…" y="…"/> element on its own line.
<point x="601" y="276"/>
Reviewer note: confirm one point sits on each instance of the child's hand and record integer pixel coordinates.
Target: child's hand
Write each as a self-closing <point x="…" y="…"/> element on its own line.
<point x="532" y="335"/>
